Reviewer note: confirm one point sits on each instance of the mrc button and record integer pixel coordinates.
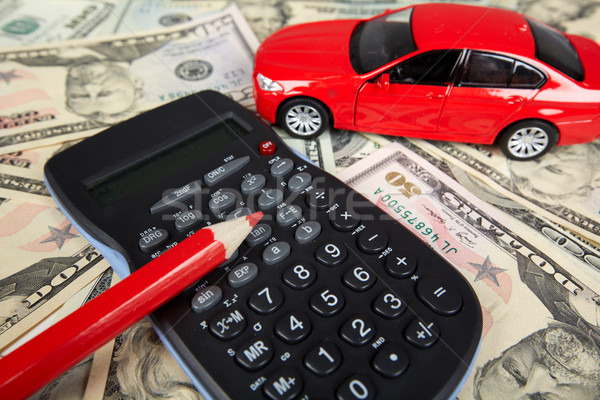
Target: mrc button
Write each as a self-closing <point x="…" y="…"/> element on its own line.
<point x="153" y="239"/>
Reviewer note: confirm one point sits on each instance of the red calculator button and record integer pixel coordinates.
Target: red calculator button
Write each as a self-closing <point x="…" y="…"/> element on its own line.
<point x="267" y="148"/>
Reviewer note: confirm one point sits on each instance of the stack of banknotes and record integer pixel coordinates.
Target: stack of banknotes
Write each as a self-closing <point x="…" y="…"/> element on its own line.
<point x="525" y="234"/>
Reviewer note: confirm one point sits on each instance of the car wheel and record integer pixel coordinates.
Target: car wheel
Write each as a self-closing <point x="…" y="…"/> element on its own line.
<point x="528" y="140"/>
<point x="303" y="118"/>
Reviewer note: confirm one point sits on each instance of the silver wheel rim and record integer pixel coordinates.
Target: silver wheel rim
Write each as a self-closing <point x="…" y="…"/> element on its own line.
<point x="528" y="142"/>
<point x="303" y="120"/>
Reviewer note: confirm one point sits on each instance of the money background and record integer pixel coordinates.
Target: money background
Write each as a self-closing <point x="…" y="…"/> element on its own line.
<point x="42" y="45"/>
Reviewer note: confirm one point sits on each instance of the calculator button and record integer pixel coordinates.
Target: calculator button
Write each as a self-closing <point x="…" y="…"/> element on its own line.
<point x="206" y="298"/>
<point x="276" y="252"/>
<point x="266" y="300"/>
<point x="344" y="220"/>
<point x="318" y="199"/>
<point x="288" y="215"/>
<point x="324" y="359"/>
<point x="226" y="170"/>
<point x="422" y="334"/>
<point x="228" y="325"/>
<point x="307" y="232"/>
<point x="439" y="295"/>
<point x="258" y="234"/>
<point x="253" y="183"/>
<point x="359" y="278"/>
<point x="239" y="212"/>
<point x="357" y="387"/>
<point x="389" y="305"/>
<point x="293" y="328"/>
<point x="221" y="202"/>
<point x="299" y="181"/>
<point x="331" y="254"/>
<point x="255" y="354"/>
<point x="282" y="167"/>
<point x="284" y="385"/>
<point x="175" y="197"/>
<point x="267" y="148"/>
<point x="327" y="302"/>
<point x="269" y="199"/>
<point x="391" y="361"/>
<point x="372" y="241"/>
<point x="400" y="264"/>
<point x="242" y="274"/>
<point x="358" y="330"/>
<point x="153" y="239"/>
<point x="299" y="276"/>
<point x="188" y="220"/>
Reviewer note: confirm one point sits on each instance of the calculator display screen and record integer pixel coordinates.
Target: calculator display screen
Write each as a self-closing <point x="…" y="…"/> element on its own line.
<point x="151" y="168"/>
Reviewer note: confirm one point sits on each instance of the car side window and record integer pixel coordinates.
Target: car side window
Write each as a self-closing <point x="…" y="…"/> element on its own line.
<point x="431" y="68"/>
<point x="526" y="77"/>
<point x="487" y="70"/>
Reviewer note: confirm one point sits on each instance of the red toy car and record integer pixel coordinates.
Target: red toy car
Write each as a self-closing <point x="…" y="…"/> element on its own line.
<point x="436" y="71"/>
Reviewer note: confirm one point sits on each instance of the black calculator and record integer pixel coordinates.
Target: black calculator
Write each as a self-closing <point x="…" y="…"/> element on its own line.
<point x="328" y="297"/>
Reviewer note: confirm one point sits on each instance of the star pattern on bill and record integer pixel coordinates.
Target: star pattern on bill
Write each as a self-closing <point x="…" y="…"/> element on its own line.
<point x="487" y="270"/>
<point x="8" y="76"/>
<point x="59" y="236"/>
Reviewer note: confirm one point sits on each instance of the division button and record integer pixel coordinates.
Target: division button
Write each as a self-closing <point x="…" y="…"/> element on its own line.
<point x="324" y="359"/>
<point x="176" y="197"/>
<point x="299" y="181"/>
<point x="439" y="295"/>
<point x="282" y="167"/>
<point x="307" y="232"/>
<point x="153" y="239"/>
<point x="391" y="361"/>
<point x="228" y="325"/>
<point x="357" y="387"/>
<point x="242" y="274"/>
<point x="422" y="334"/>
<point x="372" y="241"/>
<point x="221" y="202"/>
<point x="344" y="220"/>
<point x="400" y="264"/>
<point x="188" y="220"/>
<point x="258" y="234"/>
<point x="276" y="252"/>
<point x="226" y="170"/>
<point x="318" y="199"/>
<point x="285" y="385"/>
<point x="269" y="199"/>
<point x="288" y="215"/>
<point x="293" y="328"/>
<point x="206" y="298"/>
<point x="255" y="354"/>
<point x="332" y="253"/>
<point x="253" y="183"/>
<point x="267" y="148"/>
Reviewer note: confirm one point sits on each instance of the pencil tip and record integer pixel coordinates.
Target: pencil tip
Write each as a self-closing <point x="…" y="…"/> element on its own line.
<point x="254" y="218"/>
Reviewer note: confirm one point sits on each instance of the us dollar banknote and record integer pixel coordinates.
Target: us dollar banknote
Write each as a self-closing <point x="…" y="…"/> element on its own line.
<point x="66" y="91"/>
<point x="535" y="297"/>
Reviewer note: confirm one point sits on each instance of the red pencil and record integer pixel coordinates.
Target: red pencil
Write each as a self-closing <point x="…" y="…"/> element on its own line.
<point x="58" y="348"/>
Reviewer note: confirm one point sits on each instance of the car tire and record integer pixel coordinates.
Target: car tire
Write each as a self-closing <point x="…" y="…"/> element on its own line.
<point x="527" y="140"/>
<point x="303" y="118"/>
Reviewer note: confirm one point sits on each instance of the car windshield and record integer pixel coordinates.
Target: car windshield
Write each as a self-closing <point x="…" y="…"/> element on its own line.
<point x="553" y="48"/>
<point x="378" y="41"/>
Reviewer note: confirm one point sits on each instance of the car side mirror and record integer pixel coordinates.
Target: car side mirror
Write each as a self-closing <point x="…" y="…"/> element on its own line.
<point x="383" y="81"/>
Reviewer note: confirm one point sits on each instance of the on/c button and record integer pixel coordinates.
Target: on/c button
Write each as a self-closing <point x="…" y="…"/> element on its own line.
<point x="267" y="148"/>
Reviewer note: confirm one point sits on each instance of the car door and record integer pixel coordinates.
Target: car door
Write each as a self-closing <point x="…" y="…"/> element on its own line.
<point x="408" y="96"/>
<point x="492" y="89"/>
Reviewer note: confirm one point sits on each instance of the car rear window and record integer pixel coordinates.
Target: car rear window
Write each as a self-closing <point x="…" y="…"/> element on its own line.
<point x="553" y="48"/>
<point x="378" y="41"/>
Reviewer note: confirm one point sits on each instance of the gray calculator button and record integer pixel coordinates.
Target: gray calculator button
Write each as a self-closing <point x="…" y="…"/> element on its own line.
<point x="221" y="202"/>
<point x="242" y="274"/>
<point x="188" y="219"/>
<point x="259" y="234"/>
<point x="308" y="231"/>
<point x="176" y="196"/>
<point x="282" y="167"/>
<point x="299" y="181"/>
<point x="270" y="198"/>
<point x="239" y="212"/>
<point x="153" y="239"/>
<point x="206" y="298"/>
<point x="225" y="170"/>
<point x="276" y="252"/>
<point x="288" y="215"/>
<point x="253" y="183"/>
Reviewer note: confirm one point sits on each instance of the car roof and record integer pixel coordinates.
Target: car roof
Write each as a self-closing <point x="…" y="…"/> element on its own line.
<point x="445" y="26"/>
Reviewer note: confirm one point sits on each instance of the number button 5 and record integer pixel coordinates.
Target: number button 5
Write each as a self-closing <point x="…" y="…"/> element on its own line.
<point x="327" y="302"/>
